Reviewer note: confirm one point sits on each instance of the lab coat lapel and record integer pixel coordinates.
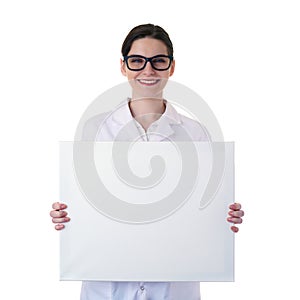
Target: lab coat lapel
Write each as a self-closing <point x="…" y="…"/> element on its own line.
<point x="124" y="127"/>
<point x="163" y="130"/>
<point x="165" y="127"/>
<point x="127" y="132"/>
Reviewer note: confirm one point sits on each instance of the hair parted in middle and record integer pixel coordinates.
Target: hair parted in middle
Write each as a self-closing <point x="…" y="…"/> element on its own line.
<point x="147" y="30"/>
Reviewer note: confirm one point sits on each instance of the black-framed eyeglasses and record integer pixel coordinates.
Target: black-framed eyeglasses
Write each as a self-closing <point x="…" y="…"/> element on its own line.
<point x="158" y="62"/>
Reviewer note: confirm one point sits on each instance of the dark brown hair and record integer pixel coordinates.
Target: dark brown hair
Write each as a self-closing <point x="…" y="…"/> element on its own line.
<point x="147" y="30"/>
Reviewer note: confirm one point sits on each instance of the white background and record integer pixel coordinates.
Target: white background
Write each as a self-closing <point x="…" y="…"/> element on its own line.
<point x="242" y="57"/>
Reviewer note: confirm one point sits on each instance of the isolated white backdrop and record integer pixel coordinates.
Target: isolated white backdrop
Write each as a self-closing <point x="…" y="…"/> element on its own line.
<point x="242" y="57"/>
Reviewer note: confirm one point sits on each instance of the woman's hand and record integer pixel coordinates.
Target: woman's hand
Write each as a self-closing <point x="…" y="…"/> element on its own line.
<point x="235" y="215"/>
<point x="58" y="215"/>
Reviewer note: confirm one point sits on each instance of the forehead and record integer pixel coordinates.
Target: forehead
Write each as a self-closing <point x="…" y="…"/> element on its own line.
<point x="148" y="47"/>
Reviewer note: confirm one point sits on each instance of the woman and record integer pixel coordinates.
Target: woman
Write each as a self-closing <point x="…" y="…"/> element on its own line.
<point x="147" y="63"/>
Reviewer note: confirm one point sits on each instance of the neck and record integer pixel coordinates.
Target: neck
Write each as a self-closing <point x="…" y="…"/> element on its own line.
<point x="147" y="110"/>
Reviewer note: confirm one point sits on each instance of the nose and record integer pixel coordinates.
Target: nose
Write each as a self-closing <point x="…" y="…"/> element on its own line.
<point x="148" y="68"/>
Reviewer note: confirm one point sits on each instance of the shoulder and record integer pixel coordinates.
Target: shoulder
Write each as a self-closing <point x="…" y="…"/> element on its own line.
<point x="196" y="130"/>
<point x="92" y="126"/>
<point x="183" y="125"/>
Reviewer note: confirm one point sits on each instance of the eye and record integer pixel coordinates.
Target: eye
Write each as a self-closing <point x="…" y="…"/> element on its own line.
<point x="160" y="60"/>
<point x="136" y="60"/>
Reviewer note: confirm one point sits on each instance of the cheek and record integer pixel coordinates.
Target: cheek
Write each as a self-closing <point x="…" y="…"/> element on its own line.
<point x="165" y="74"/>
<point x="132" y="75"/>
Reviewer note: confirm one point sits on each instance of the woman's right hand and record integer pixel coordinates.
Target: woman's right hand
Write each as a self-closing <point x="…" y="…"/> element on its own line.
<point x="58" y="215"/>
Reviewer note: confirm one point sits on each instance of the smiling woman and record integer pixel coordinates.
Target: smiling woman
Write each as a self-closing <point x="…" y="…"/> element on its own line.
<point x="147" y="63"/>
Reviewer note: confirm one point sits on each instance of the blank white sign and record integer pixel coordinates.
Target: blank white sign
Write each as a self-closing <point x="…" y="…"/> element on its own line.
<point x="127" y="231"/>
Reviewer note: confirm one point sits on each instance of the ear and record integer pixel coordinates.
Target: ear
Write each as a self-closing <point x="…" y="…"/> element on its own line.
<point x="172" y="68"/>
<point x="123" y="67"/>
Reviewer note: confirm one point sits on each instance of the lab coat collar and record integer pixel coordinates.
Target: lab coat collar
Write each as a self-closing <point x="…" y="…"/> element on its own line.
<point x="122" y="116"/>
<point x="164" y="123"/>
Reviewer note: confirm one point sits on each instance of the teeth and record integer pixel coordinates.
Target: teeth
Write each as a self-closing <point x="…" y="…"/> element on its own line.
<point x="148" y="81"/>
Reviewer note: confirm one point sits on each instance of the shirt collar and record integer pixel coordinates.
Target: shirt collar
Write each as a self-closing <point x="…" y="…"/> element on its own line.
<point x="122" y="114"/>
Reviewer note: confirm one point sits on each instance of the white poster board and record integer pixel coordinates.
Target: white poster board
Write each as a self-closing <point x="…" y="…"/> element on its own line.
<point x="164" y="230"/>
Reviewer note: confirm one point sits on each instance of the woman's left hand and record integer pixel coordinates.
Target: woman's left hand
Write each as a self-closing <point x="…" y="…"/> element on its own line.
<point x="235" y="215"/>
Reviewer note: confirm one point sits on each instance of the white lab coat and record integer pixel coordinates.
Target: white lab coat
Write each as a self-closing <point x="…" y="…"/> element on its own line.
<point x="119" y="125"/>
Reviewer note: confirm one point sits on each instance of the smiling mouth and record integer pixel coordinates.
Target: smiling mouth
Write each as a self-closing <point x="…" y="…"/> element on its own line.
<point x="148" y="82"/>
